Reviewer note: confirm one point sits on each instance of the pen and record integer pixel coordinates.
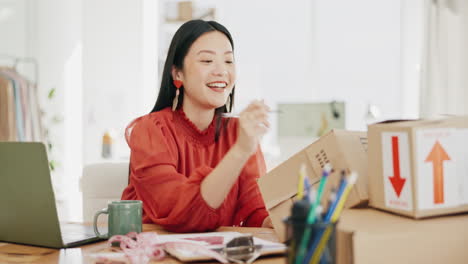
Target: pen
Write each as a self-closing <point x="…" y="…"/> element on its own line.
<point x="351" y="181"/>
<point x="312" y="215"/>
<point x="238" y="114"/>
<point x="300" y="184"/>
<point x="317" y="238"/>
<point x="300" y="209"/>
<point x="331" y="200"/>
<point x="317" y="253"/>
<point x="341" y="189"/>
<point x="307" y="187"/>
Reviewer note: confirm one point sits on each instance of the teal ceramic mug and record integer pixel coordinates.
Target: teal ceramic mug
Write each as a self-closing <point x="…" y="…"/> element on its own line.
<point x="124" y="217"/>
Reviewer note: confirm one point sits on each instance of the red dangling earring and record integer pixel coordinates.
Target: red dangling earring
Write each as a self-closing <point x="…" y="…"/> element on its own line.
<point x="177" y="84"/>
<point x="228" y="103"/>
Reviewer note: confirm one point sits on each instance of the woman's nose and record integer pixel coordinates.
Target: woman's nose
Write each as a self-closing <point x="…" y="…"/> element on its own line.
<point x="220" y="70"/>
<point x="221" y="73"/>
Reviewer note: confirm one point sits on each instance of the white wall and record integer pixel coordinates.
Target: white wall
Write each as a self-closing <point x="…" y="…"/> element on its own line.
<point x="14" y="24"/>
<point x="359" y="55"/>
<point x="112" y="70"/>
<point x="272" y="46"/>
<point x="119" y="68"/>
<point x="412" y="40"/>
<point x="360" y="52"/>
<point x="56" y="43"/>
<point x="320" y="50"/>
<point x="369" y="52"/>
<point x="102" y="61"/>
<point x="274" y="51"/>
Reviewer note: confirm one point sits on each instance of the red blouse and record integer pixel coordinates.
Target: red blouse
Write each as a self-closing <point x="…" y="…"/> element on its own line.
<point x="170" y="157"/>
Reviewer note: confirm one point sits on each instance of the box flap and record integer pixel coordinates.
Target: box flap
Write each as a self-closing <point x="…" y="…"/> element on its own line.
<point x="280" y="183"/>
<point x="277" y="214"/>
<point x="353" y="145"/>
<point x="437" y="121"/>
<point x="344" y="150"/>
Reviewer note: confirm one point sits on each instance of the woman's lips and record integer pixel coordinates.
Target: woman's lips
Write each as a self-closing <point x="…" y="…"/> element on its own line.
<point x="218" y="90"/>
<point x="217" y="86"/>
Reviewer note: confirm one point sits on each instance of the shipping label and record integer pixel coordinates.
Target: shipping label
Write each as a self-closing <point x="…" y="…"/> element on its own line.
<point x="441" y="160"/>
<point x="396" y="170"/>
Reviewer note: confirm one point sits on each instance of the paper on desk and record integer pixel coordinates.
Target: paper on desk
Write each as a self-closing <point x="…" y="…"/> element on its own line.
<point x="214" y="240"/>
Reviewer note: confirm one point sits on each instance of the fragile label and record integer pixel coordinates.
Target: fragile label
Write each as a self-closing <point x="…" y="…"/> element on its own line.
<point x="396" y="170"/>
<point x="441" y="159"/>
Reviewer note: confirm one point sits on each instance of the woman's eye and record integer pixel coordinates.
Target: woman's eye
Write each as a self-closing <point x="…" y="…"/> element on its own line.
<point x="229" y="61"/>
<point x="206" y="61"/>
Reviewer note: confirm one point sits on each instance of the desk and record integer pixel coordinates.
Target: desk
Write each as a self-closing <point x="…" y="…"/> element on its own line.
<point x="13" y="253"/>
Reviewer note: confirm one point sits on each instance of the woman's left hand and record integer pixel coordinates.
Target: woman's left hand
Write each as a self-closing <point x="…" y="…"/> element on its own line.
<point x="267" y="222"/>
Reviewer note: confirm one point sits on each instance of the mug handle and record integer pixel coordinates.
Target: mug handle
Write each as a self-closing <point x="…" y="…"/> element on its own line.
<point x="96" y="231"/>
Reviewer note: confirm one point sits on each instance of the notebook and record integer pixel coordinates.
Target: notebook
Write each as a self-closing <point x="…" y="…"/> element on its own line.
<point x="28" y="213"/>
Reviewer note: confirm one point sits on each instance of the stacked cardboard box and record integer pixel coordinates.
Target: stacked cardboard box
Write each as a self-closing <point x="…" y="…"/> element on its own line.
<point x="369" y="236"/>
<point x="344" y="150"/>
<point x="417" y="169"/>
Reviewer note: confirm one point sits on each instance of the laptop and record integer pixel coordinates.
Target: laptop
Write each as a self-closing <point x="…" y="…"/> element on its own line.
<point x="28" y="213"/>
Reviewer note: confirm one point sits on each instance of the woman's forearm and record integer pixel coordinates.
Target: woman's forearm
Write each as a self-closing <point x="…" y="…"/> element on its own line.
<point x="216" y="186"/>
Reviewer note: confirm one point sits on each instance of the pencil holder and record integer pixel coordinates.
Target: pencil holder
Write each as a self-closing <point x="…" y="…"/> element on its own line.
<point x="321" y="244"/>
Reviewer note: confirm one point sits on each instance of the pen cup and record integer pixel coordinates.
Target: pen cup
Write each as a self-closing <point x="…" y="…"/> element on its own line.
<point x="322" y="239"/>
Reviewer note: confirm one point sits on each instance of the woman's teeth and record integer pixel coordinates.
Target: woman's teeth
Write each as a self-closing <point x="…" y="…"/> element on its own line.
<point x="217" y="85"/>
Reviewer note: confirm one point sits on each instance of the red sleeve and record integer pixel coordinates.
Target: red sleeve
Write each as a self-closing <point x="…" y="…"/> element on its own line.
<point x="251" y="209"/>
<point x="170" y="199"/>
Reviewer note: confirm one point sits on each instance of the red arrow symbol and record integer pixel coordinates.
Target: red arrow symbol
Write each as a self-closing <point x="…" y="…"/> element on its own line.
<point x="437" y="157"/>
<point x="396" y="180"/>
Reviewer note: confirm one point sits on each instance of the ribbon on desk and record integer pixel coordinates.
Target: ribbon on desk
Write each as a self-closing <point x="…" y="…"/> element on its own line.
<point x="144" y="247"/>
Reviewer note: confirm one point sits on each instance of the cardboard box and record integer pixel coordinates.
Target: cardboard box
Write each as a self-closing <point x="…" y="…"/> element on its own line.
<point x="185" y="10"/>
<point x="419" y="168"/>
<point x="343" y="149"/>
<point x="372" y="236"/>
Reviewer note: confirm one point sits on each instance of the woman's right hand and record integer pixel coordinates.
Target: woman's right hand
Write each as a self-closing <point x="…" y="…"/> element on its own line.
<point x="253" y="124"/>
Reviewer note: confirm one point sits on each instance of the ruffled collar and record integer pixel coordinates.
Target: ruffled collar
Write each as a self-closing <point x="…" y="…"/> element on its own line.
<point x="191" y="130"/>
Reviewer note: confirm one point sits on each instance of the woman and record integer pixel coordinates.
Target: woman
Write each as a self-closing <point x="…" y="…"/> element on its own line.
<point x="193" y="169"/>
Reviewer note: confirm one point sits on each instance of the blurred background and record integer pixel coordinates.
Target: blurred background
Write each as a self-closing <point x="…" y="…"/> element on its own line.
<point x="91" y="66"/>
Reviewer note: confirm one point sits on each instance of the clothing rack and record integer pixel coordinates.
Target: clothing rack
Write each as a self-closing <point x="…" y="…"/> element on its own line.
<point x="20" y="114"/>
<point x="15" y="61"/>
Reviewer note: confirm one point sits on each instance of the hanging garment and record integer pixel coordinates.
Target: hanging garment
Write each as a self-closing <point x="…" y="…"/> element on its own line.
<point x="7" y="111"/>
<point x="20" y="112"/>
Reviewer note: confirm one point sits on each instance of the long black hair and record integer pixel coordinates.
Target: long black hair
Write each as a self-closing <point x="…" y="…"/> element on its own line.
<point x="183" y="39"/>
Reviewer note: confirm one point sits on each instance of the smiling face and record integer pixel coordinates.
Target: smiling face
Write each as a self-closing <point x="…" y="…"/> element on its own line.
<point x="208" y="73"/>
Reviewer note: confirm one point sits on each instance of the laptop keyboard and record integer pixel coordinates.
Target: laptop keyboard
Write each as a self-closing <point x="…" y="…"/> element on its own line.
<point x="77" y="232"/>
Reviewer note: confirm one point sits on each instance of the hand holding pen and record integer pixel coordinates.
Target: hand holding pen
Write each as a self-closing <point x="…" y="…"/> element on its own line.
<point x="253" y="124"/>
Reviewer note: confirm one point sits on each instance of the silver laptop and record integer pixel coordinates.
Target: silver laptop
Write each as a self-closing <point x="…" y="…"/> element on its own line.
<point x="28" y="213"/>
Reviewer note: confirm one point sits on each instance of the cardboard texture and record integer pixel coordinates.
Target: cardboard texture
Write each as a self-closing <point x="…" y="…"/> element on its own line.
<point x="343" y="149"/>
<point x="419" y="168"/>
<point x="372" y="236"/>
